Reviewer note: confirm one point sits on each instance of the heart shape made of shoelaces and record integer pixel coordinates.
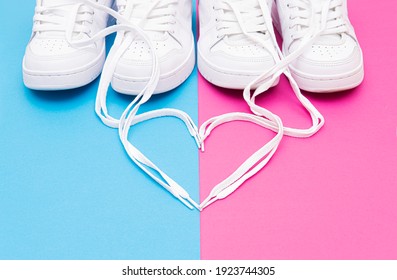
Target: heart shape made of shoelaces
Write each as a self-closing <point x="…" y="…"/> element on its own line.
<point x="247" y="169"/>
<point x="260" y="116"/>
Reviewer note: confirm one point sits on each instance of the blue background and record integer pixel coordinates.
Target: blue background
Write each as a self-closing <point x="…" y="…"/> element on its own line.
<point x="67" y="188"/>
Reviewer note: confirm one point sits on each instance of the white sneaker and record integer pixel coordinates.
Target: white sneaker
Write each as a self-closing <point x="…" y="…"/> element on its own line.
<point x="50" y="63"/>
<point x="168" y="23"/>
<point x="332" y="60"/>
<point x="234" y="46"/>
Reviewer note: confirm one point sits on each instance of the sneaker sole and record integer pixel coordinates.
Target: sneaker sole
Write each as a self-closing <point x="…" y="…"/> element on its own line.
<point x="39" y="80"/>
<point x="167" y="82"/>
<point x="222" y="77"/>
<point x="333" y="83"/>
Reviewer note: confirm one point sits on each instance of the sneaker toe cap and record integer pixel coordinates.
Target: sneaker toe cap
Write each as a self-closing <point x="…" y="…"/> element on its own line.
<point x="55" y="56"/>
<point x="251" y="59"/>
<point x="136" y="62"/>
<point x="322" y="59"/>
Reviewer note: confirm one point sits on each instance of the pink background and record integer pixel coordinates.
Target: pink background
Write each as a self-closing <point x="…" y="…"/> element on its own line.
<point x="333" y="196"/>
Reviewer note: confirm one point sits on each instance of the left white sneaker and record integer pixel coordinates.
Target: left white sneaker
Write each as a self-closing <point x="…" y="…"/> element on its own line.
<point x="332" y="59"/>
<point x="50" y="61"/>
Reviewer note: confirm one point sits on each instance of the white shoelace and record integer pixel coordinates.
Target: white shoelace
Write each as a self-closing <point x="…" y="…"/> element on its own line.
<point x="126" y="30"/>
<point x="55" y="18"/>
<point x="271" y="121"/>
<point x="307" y="14"/>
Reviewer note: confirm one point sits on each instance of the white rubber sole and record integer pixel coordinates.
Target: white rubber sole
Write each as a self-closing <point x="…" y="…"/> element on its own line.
<point x="41" y="80"/>
<point x="167" y="82"/>
<point x="225" y="78"/>
<point x="334" y="83"/>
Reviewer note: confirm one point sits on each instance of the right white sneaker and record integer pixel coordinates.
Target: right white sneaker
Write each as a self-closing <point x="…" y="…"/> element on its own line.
<point x="50" y="62"/>
<point x="168" y="24"/>
<point x="235" y="45"/>
<point x="331" y="58"/>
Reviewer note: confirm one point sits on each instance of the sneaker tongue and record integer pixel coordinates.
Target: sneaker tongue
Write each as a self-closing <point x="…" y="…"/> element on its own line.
<point x="137" y="16"/>
<point x="67" y="5"/>
<point x="242" y="38"/>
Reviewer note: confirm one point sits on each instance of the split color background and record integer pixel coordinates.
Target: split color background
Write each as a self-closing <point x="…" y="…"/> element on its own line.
<point x="68" y="190"/>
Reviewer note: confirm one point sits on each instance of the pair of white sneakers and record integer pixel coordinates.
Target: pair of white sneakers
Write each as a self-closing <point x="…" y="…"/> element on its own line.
<point x="236" y="44"/>
<point x="238" y="49"/>
<point x="153" y="52"/>
<point x="52" y="62"/>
